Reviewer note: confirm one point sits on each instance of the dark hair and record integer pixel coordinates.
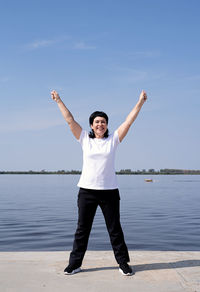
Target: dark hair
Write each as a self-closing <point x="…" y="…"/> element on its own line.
<point x="91" y="119"/>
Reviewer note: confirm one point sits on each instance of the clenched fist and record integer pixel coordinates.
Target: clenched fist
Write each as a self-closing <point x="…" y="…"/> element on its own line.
<point x="143" y="96"/>
<point x="55" y="96"/>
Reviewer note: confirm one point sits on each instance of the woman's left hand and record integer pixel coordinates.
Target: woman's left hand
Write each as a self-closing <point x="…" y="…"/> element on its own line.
<point x="143" y="96"/>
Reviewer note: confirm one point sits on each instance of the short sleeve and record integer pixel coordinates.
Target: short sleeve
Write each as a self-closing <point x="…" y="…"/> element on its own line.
<point x="83" y="136"/>
<point x="116" y="138"/>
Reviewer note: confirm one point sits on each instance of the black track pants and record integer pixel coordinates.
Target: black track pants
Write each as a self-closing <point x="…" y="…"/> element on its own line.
<point x="88" y="201"/>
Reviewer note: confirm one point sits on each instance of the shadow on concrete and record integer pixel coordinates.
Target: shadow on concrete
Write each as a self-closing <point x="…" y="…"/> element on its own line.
<point x="100" y="269"/>
<point x="170" y="265"/>
<point x="154" y="266"/>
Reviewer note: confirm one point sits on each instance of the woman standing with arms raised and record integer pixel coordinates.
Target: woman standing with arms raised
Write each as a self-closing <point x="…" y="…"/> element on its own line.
<point x="98" y="183"/>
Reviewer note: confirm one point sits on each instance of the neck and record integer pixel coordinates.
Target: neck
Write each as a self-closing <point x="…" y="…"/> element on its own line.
<point x="99" y="137"/>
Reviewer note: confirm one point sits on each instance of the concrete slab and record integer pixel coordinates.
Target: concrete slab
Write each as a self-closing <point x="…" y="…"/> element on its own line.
<point x="155" y="271"/>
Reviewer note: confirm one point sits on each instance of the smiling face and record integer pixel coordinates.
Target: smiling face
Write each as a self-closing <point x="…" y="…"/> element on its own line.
<point x="99" y="127"/>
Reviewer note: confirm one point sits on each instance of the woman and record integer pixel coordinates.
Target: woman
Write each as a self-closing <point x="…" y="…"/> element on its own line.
<point x="98" y="184"/>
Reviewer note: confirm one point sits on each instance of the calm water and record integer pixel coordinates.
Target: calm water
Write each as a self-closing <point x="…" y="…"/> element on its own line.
<point x="39" y="212"/>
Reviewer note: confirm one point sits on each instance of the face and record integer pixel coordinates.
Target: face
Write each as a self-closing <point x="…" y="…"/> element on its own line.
<point x="99" y="127"/>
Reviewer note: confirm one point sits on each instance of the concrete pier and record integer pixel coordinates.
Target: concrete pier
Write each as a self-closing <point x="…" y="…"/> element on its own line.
<point x="155" y="271"/>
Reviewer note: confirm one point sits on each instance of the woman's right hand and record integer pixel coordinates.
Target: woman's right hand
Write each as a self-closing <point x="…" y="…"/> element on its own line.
<point x="74" y="126"/>
<point x="55" y="96"/>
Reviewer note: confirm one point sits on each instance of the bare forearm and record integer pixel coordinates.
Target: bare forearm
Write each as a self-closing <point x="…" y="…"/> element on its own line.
<point x="65" y="112"/>
<point x="74" y="126"/>
<point x="134" y="113"/>
<point x="123" y="129"/>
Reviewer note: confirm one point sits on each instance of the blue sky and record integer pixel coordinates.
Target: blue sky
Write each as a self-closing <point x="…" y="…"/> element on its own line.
<point x="99" y="55"/>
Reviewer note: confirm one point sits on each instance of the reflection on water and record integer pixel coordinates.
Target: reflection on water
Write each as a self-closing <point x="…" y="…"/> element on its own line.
<point x="39" y="212"/>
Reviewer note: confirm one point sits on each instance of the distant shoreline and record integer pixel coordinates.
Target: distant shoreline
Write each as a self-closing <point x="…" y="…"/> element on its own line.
<point x="165" y="171"/>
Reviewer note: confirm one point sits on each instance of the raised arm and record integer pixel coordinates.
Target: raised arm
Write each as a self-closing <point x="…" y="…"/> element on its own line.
<point x="123" y="129"/>
<point x="74" y="126"/>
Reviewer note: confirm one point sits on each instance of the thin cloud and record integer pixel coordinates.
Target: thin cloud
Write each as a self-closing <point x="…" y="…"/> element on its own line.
<point x="22" y="126"/>
<point x="83" y="46"/>
<point x="43" y="43"/>
<point x="29" y="121"/>
<point x="135" y="76"/>
<point x="144" y="54"/>
<point x="129" y="75"/>
<point x="40" y="44"/>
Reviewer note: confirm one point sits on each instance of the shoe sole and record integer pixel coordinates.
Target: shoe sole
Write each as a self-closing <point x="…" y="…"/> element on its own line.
<point x="73" y="272"/>
<point x="128" y="274"/>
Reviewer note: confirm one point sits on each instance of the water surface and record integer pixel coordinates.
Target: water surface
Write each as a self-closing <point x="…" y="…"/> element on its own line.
<point x="39" y="212"/>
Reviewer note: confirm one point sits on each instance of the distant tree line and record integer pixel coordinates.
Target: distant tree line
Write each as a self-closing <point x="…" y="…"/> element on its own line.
<point x="43" y="171"/>
<point x="121" y="172"/>
<point x="161" y="171"/>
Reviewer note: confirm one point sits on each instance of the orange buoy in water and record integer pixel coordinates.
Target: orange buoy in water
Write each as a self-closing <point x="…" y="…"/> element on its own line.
<point x="148" y="180"/>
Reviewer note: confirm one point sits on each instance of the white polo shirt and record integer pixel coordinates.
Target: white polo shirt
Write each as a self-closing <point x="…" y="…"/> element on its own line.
<point x="98" y="170"/>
